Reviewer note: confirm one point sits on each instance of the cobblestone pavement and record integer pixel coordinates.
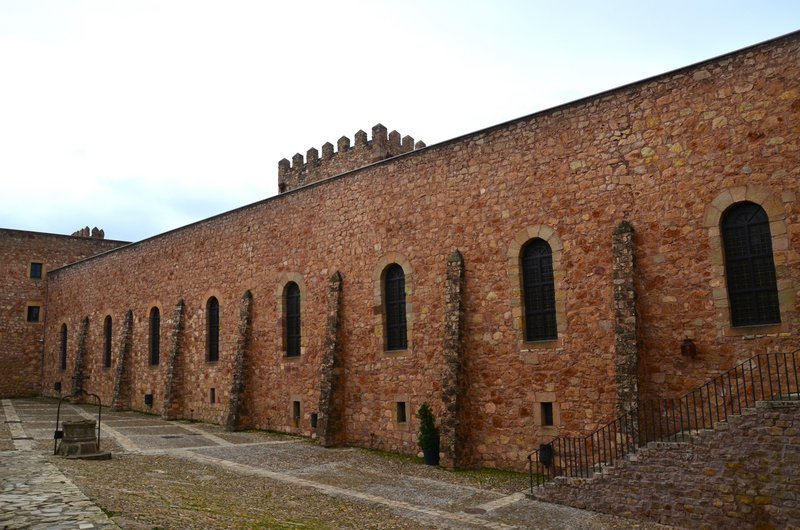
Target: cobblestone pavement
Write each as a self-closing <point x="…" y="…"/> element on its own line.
<point x="192" y="475"/>
<point x="35" y="494"/>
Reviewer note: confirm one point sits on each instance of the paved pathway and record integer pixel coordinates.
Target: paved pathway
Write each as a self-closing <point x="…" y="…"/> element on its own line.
<point x="35" y="494"/>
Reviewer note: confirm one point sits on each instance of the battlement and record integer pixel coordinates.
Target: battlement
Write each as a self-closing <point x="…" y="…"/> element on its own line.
<point x="96" y="233"/>
<point x="300" y="172"/>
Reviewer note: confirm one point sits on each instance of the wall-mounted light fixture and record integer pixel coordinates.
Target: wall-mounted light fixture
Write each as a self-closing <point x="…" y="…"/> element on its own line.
<point x="688" y="348"/>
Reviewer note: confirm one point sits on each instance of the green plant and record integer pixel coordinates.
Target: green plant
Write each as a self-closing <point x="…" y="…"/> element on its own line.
<point x="428" y="433"/>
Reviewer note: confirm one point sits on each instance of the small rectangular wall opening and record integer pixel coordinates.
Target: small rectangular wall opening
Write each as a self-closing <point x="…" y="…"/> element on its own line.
<point x="401" y="412"/>
<point x="547" y="414"/>
<point x="57" y="386"/>
<point x="212" y="395"/>
<point x="148" y="400"/>
<point x="296" y="413"/>
<point x="33" y="313"/>
<point x="36" y="271"/>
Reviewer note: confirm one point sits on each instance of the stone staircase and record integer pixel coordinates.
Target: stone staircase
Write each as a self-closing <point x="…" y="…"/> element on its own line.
<point x="743" y="472"/>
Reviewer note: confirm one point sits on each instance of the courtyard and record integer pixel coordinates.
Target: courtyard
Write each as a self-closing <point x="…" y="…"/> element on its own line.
<point x="190" y="475"/>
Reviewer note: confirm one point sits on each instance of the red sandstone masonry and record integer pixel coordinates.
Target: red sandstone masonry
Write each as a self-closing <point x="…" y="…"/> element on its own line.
<point x="665" y="154"/>
<point x="20" y="346"/>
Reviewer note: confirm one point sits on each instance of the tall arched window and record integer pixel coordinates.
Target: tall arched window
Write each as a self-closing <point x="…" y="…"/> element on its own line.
<point x="212" y="330"/>
<point x="538" y="291"/>
<point x="291" y="319"/>
<point x="394" y="293"/>
<point x="63" y="346"/>
<point x="155" y="336"/>
<point x="107" y="342"/>
<point x="749" y="267"/>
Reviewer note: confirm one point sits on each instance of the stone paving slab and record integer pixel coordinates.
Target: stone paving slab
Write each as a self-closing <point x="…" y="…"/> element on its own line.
<point x="285" y="457"/>
<point x="168" y="442"/>
<point x="36" y="495"/>
<point x="127" y="422"/>
<point x="157" y="430"/>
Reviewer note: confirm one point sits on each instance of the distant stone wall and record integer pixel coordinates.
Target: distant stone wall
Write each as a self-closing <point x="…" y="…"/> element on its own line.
<point x="741" y="475"/>
<point x="21" y="344"/>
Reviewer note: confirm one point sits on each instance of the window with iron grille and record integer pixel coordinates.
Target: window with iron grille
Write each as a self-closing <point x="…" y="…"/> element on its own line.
<point x="107" y="342"/>
<point x="63" y="346"/>
<point x="291" y="319"/>
<point x="36" y="271"/>
<point x="395" y="308"/>
<point x="749" y="267"/>
<point x="33" y="313"/>
<point x="538" y="291"/>
<point x="212" y="330"/>
<point x="155" y="336"/>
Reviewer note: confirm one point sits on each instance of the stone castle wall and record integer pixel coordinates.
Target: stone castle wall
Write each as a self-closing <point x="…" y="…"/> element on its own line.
<point x="666" y="155"/>
<point x="20" y="345"/>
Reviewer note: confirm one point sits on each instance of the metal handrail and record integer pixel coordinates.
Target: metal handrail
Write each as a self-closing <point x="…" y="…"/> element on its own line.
<point x="763" y="377"/>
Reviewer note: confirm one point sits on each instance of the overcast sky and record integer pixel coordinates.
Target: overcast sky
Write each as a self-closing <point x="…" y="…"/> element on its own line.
<point x="143" y="116"/>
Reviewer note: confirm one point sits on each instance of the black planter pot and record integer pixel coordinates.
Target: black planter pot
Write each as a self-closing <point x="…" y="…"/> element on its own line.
<point x="431" y="457"/>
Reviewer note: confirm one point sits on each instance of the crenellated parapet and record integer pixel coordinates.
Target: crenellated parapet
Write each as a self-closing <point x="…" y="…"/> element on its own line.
<point x="346" y="157"/>
<point x="97" y="233"/>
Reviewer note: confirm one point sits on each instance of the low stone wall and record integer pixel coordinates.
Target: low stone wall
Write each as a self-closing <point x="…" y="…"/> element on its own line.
<point x="742" y="474"/>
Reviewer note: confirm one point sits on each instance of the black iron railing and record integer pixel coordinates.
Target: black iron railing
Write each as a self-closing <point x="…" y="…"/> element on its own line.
<point x="764" y="377"/>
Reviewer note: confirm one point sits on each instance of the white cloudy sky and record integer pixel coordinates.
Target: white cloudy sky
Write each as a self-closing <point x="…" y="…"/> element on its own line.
<point x="142" y="116"/>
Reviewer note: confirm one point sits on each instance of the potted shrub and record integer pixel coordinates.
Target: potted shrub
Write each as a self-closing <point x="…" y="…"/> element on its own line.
<point x="428" y="435"/>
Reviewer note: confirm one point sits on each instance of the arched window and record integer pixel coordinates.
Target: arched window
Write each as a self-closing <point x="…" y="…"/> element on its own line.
<point x="749" y="267"/>
<point x="212" y="330"/>
<point x="107" y="342"/>
<point x="155" y="336"/>
<point x="63" y="346"/>
<point x="394" y="293"/>
<point x="538" y="291"/>
<point x="291" y="319"/>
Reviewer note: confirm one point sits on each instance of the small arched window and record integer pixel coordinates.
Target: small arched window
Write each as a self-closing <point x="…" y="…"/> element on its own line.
<point x="394" y="292"/>
<point x="155" y="336"/>
<point x="291" y="319"/>
<point x="107" y="342"/>
<point x="749" y="266"/>
<point x="63" y="346"/>
<point x="538" y="291"/>
<point x="212" y="330"/>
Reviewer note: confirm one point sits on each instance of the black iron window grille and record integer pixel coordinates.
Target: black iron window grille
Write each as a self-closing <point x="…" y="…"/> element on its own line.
<point x="107" y="342"/>
<point x="155" y="336"/>
<point x="36" y="271"/>
<point x="63" y="346"/>
<point x="749" y="266"/>
<point x="212" y="332"/>
<point x="33" y="313"/>
<point x="538" y="291"/>
<point x="292" y="319"/>
<point x="395" y="308"/>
